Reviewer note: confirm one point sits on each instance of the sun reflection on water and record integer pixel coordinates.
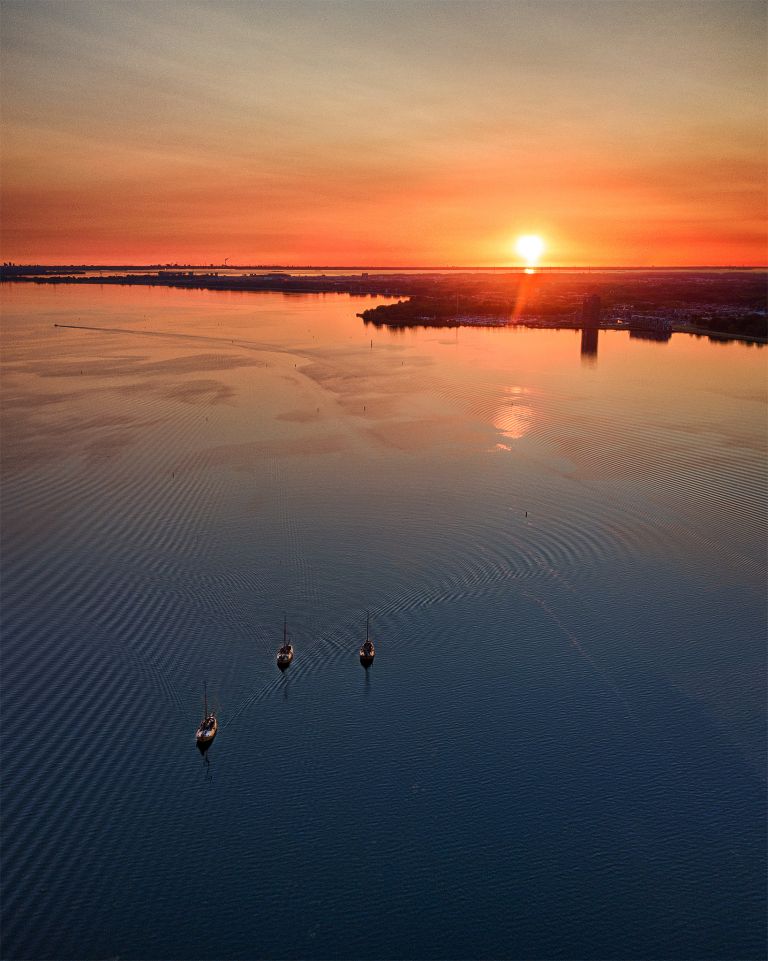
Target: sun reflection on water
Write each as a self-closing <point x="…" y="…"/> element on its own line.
<point x="514" y="419"/>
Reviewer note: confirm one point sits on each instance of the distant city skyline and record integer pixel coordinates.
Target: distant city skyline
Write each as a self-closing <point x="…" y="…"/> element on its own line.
<point x="388" y="134"/>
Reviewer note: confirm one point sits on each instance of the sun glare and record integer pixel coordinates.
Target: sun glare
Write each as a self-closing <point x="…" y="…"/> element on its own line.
<point x="530" y="247"/>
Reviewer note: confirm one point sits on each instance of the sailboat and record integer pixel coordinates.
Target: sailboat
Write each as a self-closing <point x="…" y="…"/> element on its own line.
<point x="206" y="732"/>
<point x="367" y="650"/>
<point x="285" y="654"/>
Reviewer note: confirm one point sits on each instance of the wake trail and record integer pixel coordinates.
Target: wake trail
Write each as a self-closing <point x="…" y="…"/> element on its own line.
<point x="198" y="338"/>
<point x="574" y="642"/>
<point x="256" y="695"/>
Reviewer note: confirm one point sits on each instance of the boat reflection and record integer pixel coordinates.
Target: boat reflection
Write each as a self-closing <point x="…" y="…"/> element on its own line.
<point x="207" y="770"/>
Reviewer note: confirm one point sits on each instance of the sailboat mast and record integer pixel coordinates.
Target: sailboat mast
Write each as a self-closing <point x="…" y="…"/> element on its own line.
<point x="205" y="697"/>
<point x="367" y="622"/>
<point x="285" y="630"/>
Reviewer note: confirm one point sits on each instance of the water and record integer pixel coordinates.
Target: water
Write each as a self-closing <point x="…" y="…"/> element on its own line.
<point x="559" y="751"/>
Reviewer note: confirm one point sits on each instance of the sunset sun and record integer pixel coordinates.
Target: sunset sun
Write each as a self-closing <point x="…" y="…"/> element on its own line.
<point x="530" y="247"/>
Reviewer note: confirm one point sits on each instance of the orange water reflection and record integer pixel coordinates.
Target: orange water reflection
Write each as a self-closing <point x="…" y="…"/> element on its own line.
<point x="288" y="374"/>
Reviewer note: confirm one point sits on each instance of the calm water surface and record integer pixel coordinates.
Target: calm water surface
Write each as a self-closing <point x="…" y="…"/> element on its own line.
<point x="559" y="751"/>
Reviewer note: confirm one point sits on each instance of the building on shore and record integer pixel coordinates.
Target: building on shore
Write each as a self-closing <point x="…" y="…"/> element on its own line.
<point x="590" y="311"/>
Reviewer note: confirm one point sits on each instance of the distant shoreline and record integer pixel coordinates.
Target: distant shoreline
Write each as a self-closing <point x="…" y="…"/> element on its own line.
<point x="722" y="304"/>
<point x="512" y="268"/>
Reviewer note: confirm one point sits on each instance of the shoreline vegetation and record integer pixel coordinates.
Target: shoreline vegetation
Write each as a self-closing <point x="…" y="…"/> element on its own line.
<point x="720" y="303"/>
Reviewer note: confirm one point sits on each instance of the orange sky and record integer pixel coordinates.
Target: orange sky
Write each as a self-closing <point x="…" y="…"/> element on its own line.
<point x="384" y="133"/>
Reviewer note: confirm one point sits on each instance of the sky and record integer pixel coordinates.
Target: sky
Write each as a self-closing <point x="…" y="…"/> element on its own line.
<point x="391" y="133"/>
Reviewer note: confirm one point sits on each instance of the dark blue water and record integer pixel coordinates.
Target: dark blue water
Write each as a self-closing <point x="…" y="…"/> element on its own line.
<point x="559" y="751"/>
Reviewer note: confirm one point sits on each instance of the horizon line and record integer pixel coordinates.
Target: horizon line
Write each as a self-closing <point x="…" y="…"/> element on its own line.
<point x="508" y="267"/>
